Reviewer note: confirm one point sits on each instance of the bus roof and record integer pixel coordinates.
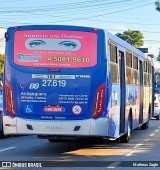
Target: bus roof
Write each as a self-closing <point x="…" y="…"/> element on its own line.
<point x="50" y="27"/>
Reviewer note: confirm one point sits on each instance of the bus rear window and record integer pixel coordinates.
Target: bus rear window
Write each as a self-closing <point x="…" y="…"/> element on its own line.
<point x="55" y="48"/>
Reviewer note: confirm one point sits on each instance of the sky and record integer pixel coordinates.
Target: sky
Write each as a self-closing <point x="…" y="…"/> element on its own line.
<point x="116" y="16"/>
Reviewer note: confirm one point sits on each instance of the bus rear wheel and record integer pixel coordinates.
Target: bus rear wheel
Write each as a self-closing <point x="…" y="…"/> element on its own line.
<point x="145" y="125"/>
<point x="158" y="117"/>
<point x="51" y="140"/>
<point x="2" y="134"/>
<point x="55" y="140"/>
<point x="126" y="137"/>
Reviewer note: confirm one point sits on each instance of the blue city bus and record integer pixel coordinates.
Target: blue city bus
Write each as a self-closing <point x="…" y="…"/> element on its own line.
<point x="156" y="112"/>
<point x="1" y="112"/>
<point x="70" y="82"/>
<point x="157" y="80"/>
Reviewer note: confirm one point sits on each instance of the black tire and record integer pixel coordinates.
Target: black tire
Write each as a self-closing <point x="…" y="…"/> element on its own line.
<point x="145" y="125"/>
<point x="158" y="117"/>
<point x="150" y="112"/>
<point x="126" y="137"/>
<point x="2" y="134"/>
<point x="55" y="140"/>
<point x="51" y="140"/>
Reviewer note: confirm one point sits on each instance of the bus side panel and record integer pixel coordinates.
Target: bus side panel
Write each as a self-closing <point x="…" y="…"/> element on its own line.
<point x="146" y="104"/>
<point x="114" y="112"/>
<point x="133" y="104"/>
<point x="129" y="98"/>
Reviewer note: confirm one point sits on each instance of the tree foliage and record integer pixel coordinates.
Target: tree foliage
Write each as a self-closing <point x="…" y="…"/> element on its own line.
<point x="157" y="3"/>
<point x="1" y="63"/>
<point x="134" y="38"/>
<point x="158" y="58"/>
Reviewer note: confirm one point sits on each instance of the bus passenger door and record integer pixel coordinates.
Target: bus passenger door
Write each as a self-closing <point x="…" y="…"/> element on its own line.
<point x="141" y="91"/>
<point x="122" y="91"/>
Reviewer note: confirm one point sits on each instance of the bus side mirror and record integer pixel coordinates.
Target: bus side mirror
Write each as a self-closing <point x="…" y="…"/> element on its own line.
<point x="6" y="36"/>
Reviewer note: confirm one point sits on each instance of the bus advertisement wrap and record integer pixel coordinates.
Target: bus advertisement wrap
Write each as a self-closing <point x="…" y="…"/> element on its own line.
<point x="55" y="48"/>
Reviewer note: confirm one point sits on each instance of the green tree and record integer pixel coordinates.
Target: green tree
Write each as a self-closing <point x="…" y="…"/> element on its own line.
<point x="134" y="38"/>
<point x="1" y="63"/>
<point x="158" y="58"/>
<point x="157" y="3"/>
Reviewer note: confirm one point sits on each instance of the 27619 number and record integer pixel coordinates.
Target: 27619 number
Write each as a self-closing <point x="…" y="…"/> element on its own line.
<point x="54" y="83"/>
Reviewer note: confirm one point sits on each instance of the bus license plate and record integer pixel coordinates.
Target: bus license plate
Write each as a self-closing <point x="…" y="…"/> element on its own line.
<point x="52" y="108"/>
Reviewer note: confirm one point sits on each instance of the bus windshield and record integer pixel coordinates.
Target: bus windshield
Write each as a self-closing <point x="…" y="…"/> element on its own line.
<point x="55" y="48"/>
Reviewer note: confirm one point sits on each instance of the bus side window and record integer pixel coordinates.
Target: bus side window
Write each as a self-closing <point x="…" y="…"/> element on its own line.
<point x="145" y="64"/>
<point x="129" y="78"/>
<point x="114" y="63"/>
<point x="129" y="67"/>
<point x="135" y="70"/>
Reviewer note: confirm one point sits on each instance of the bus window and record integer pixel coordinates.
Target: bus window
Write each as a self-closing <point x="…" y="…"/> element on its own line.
<point x="145" y="73"/>
<point x="114" y="63"/>
<point x="129" y="67"/>
<point x="135" y="69"/>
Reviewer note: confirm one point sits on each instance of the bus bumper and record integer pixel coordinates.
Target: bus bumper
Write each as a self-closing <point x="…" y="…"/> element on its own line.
<point x="87" y="127"/>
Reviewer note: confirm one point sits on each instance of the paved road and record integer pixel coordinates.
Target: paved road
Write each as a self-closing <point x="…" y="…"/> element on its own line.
<point x="143" y="146"/>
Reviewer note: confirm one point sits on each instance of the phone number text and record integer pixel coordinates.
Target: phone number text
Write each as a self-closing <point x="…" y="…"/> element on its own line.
<point x="69" y="59"/>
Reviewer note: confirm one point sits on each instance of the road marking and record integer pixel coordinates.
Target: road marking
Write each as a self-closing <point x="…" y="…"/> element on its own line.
<point x="152" y="134"/>
<point x="146" y="140"/>
<point x="134" y="148"/>
<point x="138" y="145"/>
<point x="156" y="130"/>
<point x="129" y="154"/>
<point x="113" y="165"/>
<point x="6" y="149"/>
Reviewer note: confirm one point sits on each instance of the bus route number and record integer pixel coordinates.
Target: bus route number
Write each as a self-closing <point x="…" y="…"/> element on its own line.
<point x="54" y="83"/>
